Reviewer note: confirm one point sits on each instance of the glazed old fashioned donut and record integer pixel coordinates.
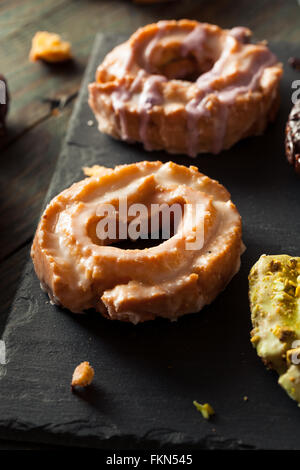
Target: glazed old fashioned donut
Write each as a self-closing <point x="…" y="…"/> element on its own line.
<point x="186" y="87"/>
<point x="80" y="271"/>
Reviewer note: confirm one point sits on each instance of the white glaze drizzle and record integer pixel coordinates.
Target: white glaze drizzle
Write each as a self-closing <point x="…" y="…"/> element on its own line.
<point x="149" y="97"/>
<point x="161" y="29"/>
<point x="246" y="82"/>
<point x="194" y="41"/>
<point x="196" y="108"/>
<point x="119" y="97"/>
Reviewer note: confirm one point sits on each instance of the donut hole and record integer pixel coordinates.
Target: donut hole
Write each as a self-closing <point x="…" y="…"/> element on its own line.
<point x="176" y="63"/>
<point x="186" y="69"/>
<point x="137" y="232"/>
<point x="141" y="243"/>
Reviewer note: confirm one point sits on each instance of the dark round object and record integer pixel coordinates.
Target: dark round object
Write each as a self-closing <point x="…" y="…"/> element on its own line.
<point x="292" y="141"/>
<point x="4" y="102"/>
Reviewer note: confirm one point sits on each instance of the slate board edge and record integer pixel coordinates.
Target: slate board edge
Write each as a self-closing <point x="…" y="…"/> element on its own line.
<point x="83" y="87"/>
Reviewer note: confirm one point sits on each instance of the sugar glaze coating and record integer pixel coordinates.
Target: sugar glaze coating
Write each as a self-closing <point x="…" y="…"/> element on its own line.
<point x="186" y="87"/>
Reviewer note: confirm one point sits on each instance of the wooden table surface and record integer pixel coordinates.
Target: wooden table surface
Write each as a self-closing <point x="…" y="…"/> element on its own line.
<point x="42" y="97"/>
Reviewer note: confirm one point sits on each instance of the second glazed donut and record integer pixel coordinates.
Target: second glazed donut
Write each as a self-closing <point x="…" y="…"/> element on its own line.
<point x="186" y="87"/>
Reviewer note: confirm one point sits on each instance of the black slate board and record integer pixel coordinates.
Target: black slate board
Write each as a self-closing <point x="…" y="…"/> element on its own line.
<point x="147" y="376"/>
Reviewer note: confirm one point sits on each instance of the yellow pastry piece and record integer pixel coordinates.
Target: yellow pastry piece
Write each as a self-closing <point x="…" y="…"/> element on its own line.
<point x="274" y="293"/>
<point x="49" y="47"/>
<point x="83" y="375"/>
<point x="206" y="410"/>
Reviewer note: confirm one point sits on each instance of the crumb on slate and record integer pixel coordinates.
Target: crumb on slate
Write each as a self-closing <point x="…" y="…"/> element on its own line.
<point x="83" y="375"/>
<point x="206" y="410"/>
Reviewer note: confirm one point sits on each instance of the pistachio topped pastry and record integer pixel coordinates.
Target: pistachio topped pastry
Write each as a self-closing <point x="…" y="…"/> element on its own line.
<point x="274" y="292"/>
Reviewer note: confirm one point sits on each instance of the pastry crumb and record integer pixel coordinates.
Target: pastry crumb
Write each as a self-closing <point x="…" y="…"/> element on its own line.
<point x="294" y="62"/>
<point x="206" y="410"/>
<point x="55" y="112"/>
<point x="49" y="47"/>
<point x="83" y="375"/>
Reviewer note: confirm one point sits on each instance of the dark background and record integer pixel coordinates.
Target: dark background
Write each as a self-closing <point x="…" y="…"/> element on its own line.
<point x="43" y="98"/>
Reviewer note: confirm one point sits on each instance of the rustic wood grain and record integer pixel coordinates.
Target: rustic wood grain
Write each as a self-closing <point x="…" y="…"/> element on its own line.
<point x="25" y="177"/>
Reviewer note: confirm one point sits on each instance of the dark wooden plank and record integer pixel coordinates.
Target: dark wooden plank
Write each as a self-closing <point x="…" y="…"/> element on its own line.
<point x="25" y="173"/>
<point x="17" y="14"/>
